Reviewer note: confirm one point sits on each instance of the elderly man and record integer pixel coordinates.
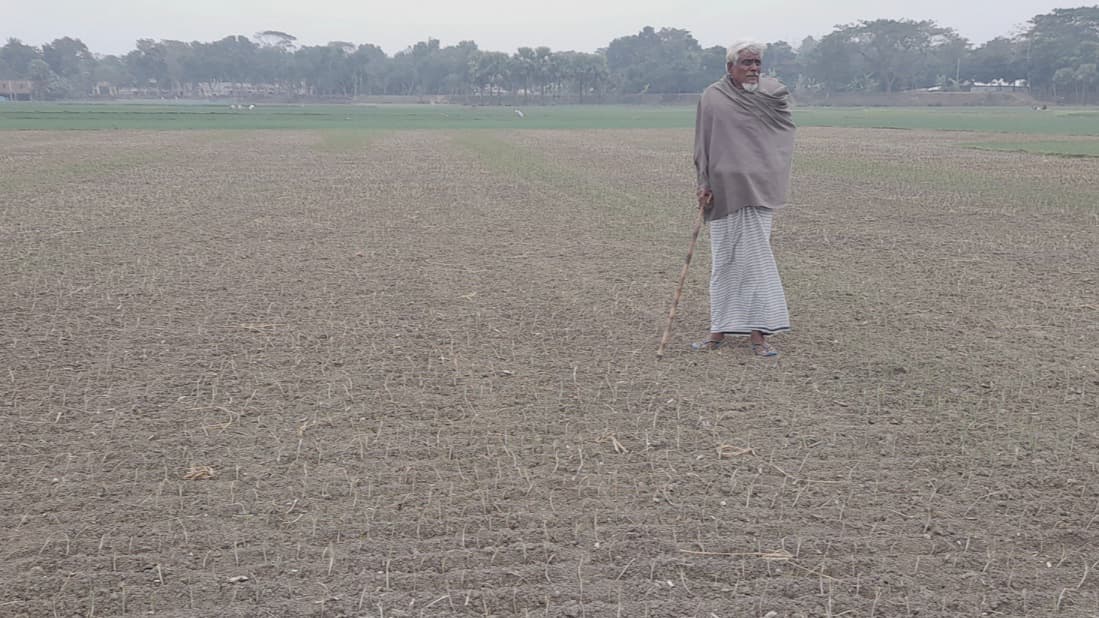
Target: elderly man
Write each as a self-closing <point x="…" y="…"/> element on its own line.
<point x="744" y="141"/>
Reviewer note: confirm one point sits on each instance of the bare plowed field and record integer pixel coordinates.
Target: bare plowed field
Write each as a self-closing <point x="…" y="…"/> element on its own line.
<point x="414" y="374"/>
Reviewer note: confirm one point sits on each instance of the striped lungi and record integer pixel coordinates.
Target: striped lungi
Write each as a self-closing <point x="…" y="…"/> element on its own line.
<point x="745" y="289"/>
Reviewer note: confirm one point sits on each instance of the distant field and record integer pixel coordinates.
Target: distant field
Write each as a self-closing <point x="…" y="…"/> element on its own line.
<point x="371" y="117"/>
<point x="1069" y="121"/>
<point x="1075" y="148"/>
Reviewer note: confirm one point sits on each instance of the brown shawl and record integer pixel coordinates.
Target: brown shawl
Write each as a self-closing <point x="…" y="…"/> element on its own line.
<point x="744" y="143"/>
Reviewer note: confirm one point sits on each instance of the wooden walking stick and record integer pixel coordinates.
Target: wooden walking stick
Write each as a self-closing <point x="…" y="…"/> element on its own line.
<point x="682" y="278"/>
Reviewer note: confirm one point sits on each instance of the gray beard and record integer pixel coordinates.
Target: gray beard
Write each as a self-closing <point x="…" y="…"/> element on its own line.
<point x="750" y="86"/>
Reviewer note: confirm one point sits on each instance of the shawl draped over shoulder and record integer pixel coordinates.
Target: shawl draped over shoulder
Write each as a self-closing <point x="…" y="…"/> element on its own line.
<point x="744" y="145"/>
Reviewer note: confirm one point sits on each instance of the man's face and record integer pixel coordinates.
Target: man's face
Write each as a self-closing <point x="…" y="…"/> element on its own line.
<point x="745" y="71"/>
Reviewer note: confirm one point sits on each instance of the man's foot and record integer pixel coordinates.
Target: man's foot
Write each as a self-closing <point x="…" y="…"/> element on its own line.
<point x="708" y="345"/>
<point x="764" y="349"/>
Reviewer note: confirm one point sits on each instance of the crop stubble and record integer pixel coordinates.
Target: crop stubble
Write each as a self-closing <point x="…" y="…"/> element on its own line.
<point x="268" y="373"/>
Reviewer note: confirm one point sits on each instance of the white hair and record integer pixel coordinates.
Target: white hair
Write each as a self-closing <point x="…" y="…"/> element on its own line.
<point x="736" y="49"/>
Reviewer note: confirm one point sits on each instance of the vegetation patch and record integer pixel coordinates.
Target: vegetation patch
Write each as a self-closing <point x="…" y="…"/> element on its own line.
<point x="1074" y="148"/>
<point x="1023" y="120"/>
<point x="53" y="116"/>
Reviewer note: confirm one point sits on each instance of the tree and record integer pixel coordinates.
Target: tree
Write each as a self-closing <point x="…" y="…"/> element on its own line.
<point x="178" y="66"/>
<point x="1087" y="75"/>
<point x="885" y="54"/>
<point x="945" y="58"/>
<point x="274" y="64"/>
<point x="47" y="84"/>
<point x="1063" y="38"/>
<point x="586" y="73"/>
<point x="781" y="60"/>
<point x="368" y="65"/>
<point x="273" y="61"/>
<point x="401" y="75"/>
<point x="148" y="63"/>
<point x="489" y="71"/>
<point x="236" y="56"/>
<point x="112" y="70"/>
<point x="999" y="58"/>
<point x="455" y="59"/>
<point x="276" y="39"/>
<point x="1063" y="79"/>
<point x="525" y="69"/>
<point x="430" y="72"/>
<point x="808" y="44"/>
<point x="712" y="66"/>
<point x="1054" y="53"/>
<point x="834" y="63"/>
<point x="70" y="59"/>
<point x="326" y="70"/>
<point x="895" y="50"/>
<point x="668" y="60"/>
<point x="17" y="57"/>
<point x="546" y="69"/>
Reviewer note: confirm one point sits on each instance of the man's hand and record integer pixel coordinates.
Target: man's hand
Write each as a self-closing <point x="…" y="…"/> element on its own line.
<point x="705" y="199"/>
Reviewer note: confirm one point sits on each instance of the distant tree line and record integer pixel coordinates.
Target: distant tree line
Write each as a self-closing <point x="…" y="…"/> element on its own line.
<point x="1057" y="55"/>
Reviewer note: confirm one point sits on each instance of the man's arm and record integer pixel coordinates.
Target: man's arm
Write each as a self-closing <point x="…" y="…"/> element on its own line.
<point x="702" y="156"/>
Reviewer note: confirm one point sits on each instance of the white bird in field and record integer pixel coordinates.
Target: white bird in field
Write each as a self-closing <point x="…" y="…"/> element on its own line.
<point x="519" y="113"/>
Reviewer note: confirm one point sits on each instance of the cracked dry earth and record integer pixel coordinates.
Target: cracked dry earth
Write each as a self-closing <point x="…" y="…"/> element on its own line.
<point x="413" y="374"/>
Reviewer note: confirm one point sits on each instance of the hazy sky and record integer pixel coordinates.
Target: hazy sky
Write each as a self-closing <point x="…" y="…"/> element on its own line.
<point x="113" y="26"/>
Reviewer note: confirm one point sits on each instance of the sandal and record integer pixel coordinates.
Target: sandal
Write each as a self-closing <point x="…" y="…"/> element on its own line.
<point x="764" y="349"/>
<point x="708" y="345"/>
